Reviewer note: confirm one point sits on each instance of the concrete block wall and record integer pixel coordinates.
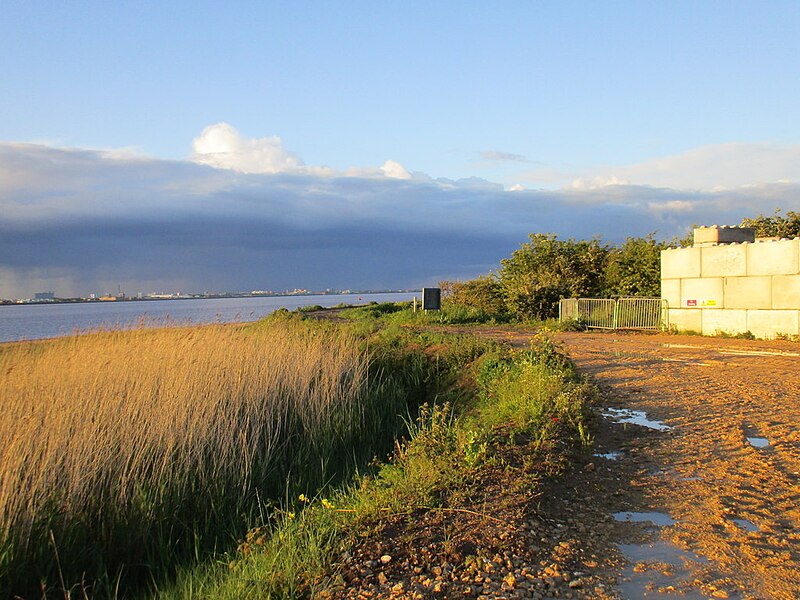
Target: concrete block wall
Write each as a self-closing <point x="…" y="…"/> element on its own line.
<point x="734" y="288"/>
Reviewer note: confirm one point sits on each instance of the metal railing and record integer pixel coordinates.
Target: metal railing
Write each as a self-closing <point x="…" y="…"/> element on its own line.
<point x="623" y="313"/>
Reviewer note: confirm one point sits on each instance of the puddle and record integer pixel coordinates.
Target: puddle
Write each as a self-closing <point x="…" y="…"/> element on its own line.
<point x="656" y="571"/>
<point x="636" y="417"/>
<point x="732" y="351"/>
<point x="609" y="455"/>
<point x="746" y="525"/>
<point x="758" y="352"/>
<point x="656" y="518"/>
<point x="628" y="354"/>
<point x="758" y="442"/>
<point x="681" y="346"/>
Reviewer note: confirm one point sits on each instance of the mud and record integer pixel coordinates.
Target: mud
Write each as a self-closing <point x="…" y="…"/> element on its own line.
<point x="706" y="505"/>
<point x="727" y="470"/>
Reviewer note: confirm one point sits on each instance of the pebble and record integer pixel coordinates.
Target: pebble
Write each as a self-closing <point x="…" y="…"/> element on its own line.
<point x="386" y="559"/>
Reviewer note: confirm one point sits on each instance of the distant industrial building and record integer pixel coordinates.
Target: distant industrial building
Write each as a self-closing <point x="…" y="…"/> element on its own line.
<point x="44" y="296"/>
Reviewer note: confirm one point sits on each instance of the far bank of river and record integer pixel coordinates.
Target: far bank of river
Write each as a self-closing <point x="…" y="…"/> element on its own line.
<point x="37" y="321"/>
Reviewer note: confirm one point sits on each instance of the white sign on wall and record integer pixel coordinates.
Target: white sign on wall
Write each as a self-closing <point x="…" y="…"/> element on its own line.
<point x="700" y="303"/>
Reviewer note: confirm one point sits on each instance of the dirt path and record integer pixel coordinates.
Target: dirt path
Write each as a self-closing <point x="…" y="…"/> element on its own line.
<point x="703" y="502"/>
<point x="735" y="501"/>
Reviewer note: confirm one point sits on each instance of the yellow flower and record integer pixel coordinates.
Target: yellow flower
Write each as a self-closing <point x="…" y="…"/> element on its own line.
<point x="290" y="515"/>
<point x="326" y="503"/>
<point x="304" y="498"/>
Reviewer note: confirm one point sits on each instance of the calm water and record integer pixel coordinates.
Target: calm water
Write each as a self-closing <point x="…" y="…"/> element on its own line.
<point x="35" y="321"/>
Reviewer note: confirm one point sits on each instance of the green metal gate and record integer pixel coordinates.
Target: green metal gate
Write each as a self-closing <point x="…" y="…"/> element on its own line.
<point x="622" y="313"/>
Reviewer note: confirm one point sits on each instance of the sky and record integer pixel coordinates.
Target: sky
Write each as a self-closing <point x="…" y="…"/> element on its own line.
<point x="208" y="146"/>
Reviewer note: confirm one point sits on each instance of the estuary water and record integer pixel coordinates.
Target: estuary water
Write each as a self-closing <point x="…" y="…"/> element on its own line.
<point x="36" y="321"/>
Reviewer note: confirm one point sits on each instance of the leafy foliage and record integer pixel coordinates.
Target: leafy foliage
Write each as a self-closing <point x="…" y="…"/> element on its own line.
<point x="547" y="269"/>
<point x="484" y="293"/>
<point x="634" y="269"/>
<point x="776" y="225"/>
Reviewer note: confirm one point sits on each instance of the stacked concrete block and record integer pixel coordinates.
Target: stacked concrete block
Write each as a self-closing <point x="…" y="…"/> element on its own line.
<point x="708" y="236"/>
<point x="733" y="287"/>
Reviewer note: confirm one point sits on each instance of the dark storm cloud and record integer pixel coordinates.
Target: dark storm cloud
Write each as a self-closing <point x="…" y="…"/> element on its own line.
<point x="86" y="220"/>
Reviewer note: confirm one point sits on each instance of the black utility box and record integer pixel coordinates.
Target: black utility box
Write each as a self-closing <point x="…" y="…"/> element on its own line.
<point x="431" y="298"/>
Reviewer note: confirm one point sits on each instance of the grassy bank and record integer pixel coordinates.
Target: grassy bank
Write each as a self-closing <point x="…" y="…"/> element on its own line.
<point x="133" y="457"/>
<point x="127" y="454"/>
<point x="500" y="395"/>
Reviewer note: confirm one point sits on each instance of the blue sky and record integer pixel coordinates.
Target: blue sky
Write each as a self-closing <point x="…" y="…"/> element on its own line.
<point x="631" y="116"/>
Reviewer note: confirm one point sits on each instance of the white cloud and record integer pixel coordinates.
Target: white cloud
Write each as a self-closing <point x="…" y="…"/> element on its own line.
<point x="719" y="167"/>
<point x="221" y="146"/>
<point x="715" y="167"/>
<point x="395" y="170"/>
<point x="596" y="182"/>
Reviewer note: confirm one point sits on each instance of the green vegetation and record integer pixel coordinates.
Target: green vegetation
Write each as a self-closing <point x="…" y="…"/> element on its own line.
<point x="529" y="284"/>
<point x="401" y="313"/>
<point x="129" y="453"/>
<point x="143" y="474"/>
<point x="498" y="395"/>
<point x="634" y="268"/>
<point x="775" y="225"/>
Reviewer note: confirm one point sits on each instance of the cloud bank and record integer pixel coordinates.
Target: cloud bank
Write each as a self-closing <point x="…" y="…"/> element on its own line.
<point x="714" y="167"/>
<point x="245" y="214"/>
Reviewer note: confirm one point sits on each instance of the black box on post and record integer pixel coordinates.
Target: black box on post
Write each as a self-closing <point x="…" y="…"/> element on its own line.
<point x="431" y="298"/>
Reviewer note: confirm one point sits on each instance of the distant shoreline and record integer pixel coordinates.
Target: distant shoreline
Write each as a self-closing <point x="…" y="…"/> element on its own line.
<point x="198" y="297"/>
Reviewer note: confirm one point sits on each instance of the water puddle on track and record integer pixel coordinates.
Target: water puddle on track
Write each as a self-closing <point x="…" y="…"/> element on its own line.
<point x="658" y="519"/>
<point x="748" y="526"/>
<point x="635" y="417"/>
<point x="609" y="455"/>
<point x="758" y="442"/>
<point x="659" y="570"/>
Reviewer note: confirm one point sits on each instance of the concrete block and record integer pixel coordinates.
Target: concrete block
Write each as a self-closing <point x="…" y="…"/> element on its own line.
<point x="768" y="323"/>
<point x="774" y="258"/>
<point x="680" y="262"/>
<point x="724" y="321"/>
<point x="686" y="319"/>
<point x="724" y="261"/>
<point x="748" y="292"/>
<point x="723" y="235"/>
<point x="671" y="292"/>
<point x="702" y="293"/>
<point x="786" y="291"/>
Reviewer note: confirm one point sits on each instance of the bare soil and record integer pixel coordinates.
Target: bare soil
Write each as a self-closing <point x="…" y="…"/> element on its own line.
<point x="555" y="523"/>
<point x="735" y="503"/>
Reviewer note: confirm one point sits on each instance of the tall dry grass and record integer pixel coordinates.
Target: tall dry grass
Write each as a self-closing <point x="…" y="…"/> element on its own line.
<point x="120" y="449"/>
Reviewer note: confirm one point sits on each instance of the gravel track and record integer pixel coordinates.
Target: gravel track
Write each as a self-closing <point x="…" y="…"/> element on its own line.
<point x="731" y="509"/>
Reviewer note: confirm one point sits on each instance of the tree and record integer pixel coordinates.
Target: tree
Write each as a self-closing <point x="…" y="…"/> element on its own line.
<point x="776" y="225"/>
<point x="634" y="269"/>
<point x="547" y="269"/>
<point x="484" y="293"/>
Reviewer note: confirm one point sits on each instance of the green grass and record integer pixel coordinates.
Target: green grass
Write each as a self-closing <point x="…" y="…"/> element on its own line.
<point x="146" y="466"/>
<point x="190" y="468"/>
<point x="533" y="392"/>
<point x="402" y="313"/>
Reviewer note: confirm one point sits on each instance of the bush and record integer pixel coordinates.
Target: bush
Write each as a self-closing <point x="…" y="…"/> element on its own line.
<point x="484" y="293"/>
<point x="634" y="269"/>
<point x="547" y="269"/>
<point x="776" y="225"/>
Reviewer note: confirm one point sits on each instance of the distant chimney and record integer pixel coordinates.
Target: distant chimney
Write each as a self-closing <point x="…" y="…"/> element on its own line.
<point x="715" y="235"/>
